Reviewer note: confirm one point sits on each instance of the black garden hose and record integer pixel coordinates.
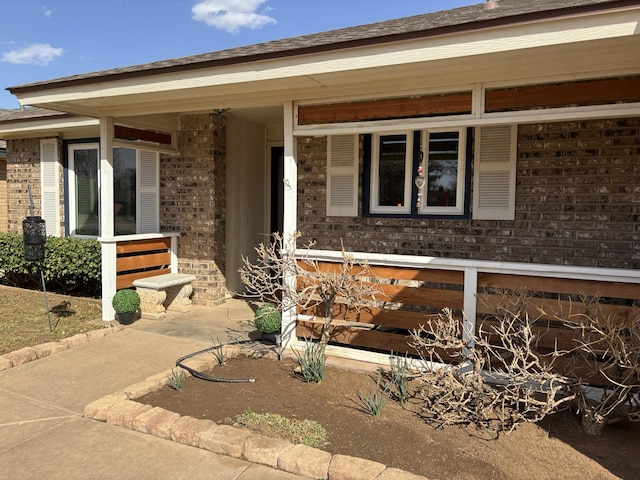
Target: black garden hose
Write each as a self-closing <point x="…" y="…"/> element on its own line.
<point x="209" y="378"/>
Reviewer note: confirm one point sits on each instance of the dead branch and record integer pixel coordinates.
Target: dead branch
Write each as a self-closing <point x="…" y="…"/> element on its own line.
<point x="498" y="379"/>
<point x="349" y="282"/>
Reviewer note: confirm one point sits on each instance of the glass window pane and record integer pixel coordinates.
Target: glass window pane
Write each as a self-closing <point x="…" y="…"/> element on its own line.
<point x="85" y="164"/>
<point x="124" y="191"/>
<point x="442" y="169"/>
<point x="391" y="170"/>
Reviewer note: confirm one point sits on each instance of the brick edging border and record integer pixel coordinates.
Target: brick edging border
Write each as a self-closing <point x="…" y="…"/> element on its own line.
<point x="29" y="354"/>
<point x="121" y="409"/>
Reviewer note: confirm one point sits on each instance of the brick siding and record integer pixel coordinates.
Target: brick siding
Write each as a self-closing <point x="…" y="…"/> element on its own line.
<point x="577" y="203"/>
<point x="192" y="202"/>
<point x="23" y="169"/>
<point x="3" y="195"/>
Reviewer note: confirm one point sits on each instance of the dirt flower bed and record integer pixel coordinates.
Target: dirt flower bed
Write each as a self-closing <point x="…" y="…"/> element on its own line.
<point x="556" y="448"/>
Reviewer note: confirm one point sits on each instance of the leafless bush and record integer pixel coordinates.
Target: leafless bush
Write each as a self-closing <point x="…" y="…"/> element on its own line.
<point x="496" y="379"/>
<point x="607" y="353"/>
<point x="300" y="284"/>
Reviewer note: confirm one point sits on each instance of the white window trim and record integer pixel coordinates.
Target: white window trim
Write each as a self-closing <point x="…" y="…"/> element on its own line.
<point x="71" y="182"/>
<point x="155" y="214"/>
<point x="375" y="177"/>
<point x="459" y="208"/>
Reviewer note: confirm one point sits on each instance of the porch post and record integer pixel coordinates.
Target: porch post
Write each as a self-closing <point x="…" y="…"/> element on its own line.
<point x="289" y="217"/>
<point x="469" y="305"/>
<point x="106" y="217"/>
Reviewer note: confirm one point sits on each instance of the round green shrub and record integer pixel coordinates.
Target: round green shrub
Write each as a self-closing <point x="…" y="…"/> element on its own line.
<point x="126" y="301"/>
<point x="268" y="318"/>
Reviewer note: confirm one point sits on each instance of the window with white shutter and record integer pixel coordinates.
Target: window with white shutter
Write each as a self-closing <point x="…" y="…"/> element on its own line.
<point x="342" y="176"/>
<point x="136" y="180"/>
<point x="494" y="182"/>
<point x="148" y="186"/>
<point x="50" y="185"/>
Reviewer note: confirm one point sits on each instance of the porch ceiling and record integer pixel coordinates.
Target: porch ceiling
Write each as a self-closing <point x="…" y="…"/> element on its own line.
<point x="581" y="48"/>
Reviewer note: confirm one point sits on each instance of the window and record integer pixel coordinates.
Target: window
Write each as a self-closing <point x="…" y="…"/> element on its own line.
<point x="425" y="173"/>
<point x="135" y="190"/>
<point x="418" y="173"/>
<point x="391" y="173"/>
<point x="443" y="163"/>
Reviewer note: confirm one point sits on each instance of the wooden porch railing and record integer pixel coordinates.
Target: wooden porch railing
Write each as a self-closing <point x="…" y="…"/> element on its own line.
<point x="415" y="289"/>
<point x="140" y="259"/>
<point x="129" y="257"/>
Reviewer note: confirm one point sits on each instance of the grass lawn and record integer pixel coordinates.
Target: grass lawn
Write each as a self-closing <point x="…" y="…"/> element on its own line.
<point x="23" y="317"/>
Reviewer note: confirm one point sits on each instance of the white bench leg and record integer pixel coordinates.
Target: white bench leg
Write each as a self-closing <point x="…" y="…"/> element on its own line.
<point x="152" y="303"/>
<point x="179" y="298"/>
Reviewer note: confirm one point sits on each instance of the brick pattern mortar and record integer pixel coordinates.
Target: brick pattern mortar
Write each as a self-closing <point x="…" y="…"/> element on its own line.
<point x="577" y="203"/>
<point x="192" y="202"/>
<point x="23" y="170"/>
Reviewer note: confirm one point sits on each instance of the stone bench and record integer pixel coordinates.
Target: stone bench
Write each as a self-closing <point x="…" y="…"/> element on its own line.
<point x="174" y="289"/>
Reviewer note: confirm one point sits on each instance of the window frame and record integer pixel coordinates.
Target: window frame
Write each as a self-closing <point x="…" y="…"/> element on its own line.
<point x="465" y="159"/>
<point x="459" y="208"/>
<point x="374" y="184"/>
<point x="71" y="210"/>
<point x="70" y="195"/>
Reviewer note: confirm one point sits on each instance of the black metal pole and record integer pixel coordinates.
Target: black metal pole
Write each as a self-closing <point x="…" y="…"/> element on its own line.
<point x="44" y="288"/>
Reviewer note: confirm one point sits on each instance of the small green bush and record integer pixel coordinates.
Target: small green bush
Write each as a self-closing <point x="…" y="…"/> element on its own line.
<point x="268" y="318"/>
<point x="126" y="301"/>
<point x="71" y="265"/>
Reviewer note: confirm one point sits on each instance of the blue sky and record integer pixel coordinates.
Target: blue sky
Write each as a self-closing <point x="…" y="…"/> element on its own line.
<point x="57" y="38"/>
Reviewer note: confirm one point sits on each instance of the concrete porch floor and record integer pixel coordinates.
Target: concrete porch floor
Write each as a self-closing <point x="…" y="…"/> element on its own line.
<point x="231" y="321"/>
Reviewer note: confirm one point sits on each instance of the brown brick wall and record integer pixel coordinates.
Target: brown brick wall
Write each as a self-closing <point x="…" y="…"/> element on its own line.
<point x="23" y="169"/>
<point x="192" y="202"/>
<point x="577" y="203"/>
<point x="3" y="195"/>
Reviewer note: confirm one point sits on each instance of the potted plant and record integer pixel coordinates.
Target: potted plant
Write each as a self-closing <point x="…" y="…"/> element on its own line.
<point x="126" y="303"/>
<point x="268" y="321"/>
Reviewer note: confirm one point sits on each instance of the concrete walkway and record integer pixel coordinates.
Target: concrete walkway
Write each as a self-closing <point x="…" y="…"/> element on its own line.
<point x="43" y="434"/>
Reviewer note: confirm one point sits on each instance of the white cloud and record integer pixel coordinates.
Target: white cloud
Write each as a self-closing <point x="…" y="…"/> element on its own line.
<point x="39" y="54"/>
<point x="231" y="15"/>
<point x="47" y="11"/>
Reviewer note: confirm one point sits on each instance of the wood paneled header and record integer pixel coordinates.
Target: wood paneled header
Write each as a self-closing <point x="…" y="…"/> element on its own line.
<point x="387" y="109"/>
<point x="566" y="94"/>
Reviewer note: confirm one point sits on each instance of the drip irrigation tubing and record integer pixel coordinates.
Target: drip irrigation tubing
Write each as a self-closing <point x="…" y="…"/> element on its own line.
<point x="210" y="378"/>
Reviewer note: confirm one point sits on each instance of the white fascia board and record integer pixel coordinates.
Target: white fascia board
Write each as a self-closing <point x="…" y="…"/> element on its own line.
<point x="482" y="42"/>
<point x="35" y="128"/>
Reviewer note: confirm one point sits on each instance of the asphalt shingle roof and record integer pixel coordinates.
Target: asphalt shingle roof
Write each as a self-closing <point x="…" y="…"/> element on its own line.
<point x="458" y="19"/>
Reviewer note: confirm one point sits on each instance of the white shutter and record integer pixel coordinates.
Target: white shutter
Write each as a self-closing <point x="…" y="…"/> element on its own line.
<point x="50" y="185"/>
<point x="148" y="208"/>
<point x="494" y="182"/>
<point x="342" y="176"/>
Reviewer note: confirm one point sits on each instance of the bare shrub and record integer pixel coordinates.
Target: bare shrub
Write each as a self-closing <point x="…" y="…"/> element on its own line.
<point x="300" y="284"/>
<point x="496" y="379"/>
<point x="606" y="353"/>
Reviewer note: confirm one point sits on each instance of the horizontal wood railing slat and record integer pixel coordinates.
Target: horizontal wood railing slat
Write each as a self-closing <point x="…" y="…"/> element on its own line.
<point x="124" y="264"/>
<point x="135" y="246"/>
<point x="557" y="285"/>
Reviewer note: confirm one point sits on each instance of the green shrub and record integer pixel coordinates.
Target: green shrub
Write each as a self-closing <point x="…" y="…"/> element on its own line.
<point x="126" y="300"/>
<point x="268" y="318"/>
<point x="70" y="265"/>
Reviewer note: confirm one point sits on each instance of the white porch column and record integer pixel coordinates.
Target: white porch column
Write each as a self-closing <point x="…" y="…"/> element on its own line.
<point x="469" y="306"/>
<point x="106" y="217"/>
<point x="290" y="216"/>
